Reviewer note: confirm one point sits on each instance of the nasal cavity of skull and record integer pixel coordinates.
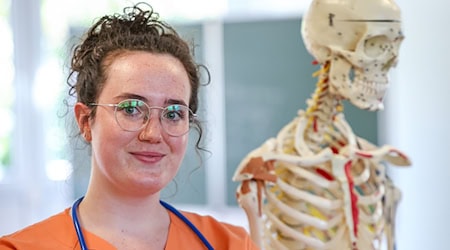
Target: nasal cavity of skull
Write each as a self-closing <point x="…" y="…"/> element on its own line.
<point x="377" y="46"/>
<point x="351" y="75"/>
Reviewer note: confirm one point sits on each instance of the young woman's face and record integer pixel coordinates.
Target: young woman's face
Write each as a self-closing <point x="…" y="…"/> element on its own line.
<point x="144" y="161"/>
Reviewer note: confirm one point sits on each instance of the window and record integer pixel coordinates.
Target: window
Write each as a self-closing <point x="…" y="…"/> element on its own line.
<point x="6" y="87"/>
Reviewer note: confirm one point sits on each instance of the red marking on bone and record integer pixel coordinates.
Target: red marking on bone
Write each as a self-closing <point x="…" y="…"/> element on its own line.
<point x="353" y="197"/>
<point x="315" y="124"/>
<point x="315" y="62"/>
<point x="365" y="155"/>
<point x="335" y="150"/>
<point x="325" y="174"/>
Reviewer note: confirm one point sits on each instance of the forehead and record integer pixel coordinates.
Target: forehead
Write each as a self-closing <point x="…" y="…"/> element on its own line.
<point x="156" y="77"/>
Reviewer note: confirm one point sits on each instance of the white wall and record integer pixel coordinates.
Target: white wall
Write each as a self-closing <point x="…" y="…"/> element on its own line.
<point x="416" y="121"/>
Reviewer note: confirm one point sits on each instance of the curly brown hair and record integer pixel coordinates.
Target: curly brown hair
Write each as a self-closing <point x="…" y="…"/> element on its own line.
<point x="112" y="35"/>
<point x="136" y="29"/>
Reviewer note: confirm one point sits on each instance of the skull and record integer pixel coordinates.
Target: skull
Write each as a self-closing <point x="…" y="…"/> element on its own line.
<point x="360" y="39"/>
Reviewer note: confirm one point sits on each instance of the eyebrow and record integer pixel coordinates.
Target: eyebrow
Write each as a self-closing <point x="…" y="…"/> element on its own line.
<point x="124" y="96"/>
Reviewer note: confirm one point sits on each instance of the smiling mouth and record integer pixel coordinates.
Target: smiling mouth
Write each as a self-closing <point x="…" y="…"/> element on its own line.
<point x="148" y="157"/>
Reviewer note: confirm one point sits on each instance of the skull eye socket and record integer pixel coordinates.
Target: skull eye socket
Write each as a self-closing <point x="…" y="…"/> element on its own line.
<point x="377" y="46"/>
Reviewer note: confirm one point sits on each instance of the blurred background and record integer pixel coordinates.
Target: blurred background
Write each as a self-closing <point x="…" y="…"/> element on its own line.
<point x="261" y="75"/>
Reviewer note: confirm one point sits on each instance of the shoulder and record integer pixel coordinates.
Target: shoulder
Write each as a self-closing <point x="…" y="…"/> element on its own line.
<point x="205" y="221"/>
<point x="222" y="234"/>
<point x="55" y="231"/>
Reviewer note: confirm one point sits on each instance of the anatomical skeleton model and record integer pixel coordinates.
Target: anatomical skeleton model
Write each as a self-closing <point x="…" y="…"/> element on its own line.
<point x="317" y="185"/>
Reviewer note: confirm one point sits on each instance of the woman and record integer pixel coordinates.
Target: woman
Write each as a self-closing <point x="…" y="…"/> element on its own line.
<point x="136" y="87"/>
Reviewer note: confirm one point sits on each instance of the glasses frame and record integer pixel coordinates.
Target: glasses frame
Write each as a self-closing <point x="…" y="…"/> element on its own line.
<point x="192" y="115"/>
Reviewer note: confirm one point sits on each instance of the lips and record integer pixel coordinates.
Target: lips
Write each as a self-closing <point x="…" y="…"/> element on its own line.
<point x="148" y="157"/>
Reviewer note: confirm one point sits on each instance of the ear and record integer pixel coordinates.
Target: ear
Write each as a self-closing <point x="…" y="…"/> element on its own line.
<point x="82" y="114"/>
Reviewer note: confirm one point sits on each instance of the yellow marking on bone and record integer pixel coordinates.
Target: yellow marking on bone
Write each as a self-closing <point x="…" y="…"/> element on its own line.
<point x="315" y="212"/>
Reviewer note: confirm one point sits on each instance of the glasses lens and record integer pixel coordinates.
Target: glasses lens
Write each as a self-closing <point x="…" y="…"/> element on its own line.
<point x="175" y="119"/>
<point x="131" y="115"/>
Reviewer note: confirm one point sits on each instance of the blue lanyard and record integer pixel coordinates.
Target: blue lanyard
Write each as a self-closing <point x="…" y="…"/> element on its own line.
<point x="83" y="245"/>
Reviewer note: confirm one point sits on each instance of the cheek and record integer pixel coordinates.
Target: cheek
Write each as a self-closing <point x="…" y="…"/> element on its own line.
<point x="179" y="145"/>
<point x="107" y="135"/>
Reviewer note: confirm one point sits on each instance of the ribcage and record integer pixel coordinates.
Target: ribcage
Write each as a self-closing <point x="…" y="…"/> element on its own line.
<point x="323" y="196"/>
<point x="307" y="207"/>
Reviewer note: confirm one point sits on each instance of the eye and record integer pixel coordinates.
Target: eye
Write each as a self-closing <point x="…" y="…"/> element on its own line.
<point x="175" y="112"/>
<point x="131" y="107"/>
<point x="377" y="46"/>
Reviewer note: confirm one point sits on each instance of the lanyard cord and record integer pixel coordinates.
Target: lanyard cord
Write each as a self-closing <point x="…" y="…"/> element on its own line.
<point x="82" y="242"/>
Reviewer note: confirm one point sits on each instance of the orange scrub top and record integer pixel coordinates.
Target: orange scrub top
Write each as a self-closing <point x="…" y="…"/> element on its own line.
<point x="58" y="232"/>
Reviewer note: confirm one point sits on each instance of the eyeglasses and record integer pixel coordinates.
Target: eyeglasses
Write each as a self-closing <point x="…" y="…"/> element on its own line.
<point x="133" y="115"/>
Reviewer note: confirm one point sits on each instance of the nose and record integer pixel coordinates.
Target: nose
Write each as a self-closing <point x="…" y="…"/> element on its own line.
<point x="152" y="131"/>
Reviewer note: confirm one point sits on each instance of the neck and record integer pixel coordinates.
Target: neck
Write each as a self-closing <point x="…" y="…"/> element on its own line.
<point x="322" y="109"/>
<point x="109" y="207"/>
<point x="120" y="218"/>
